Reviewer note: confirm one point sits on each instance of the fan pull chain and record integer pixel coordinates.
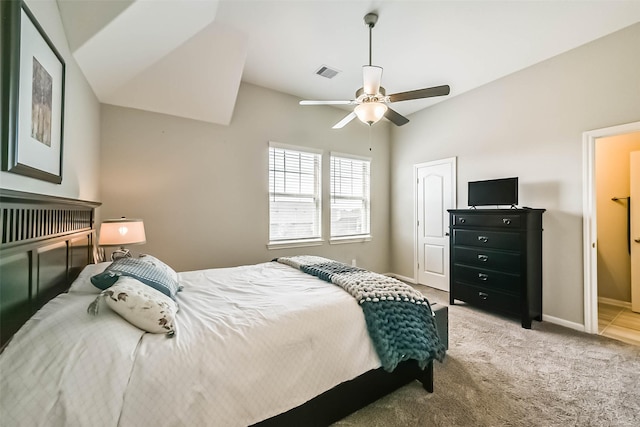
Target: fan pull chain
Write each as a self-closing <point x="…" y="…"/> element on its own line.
<point x="370" y="137"/>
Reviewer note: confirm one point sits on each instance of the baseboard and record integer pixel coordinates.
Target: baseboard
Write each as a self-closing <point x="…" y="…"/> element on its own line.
<point x="614" y="302"/>
<point x="545" y="317"/>
<point x="403" y="278"/>
<point x="562" y="322"/>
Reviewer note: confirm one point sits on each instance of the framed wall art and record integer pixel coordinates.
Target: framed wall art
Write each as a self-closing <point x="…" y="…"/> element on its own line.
<point x="32" y="86"/>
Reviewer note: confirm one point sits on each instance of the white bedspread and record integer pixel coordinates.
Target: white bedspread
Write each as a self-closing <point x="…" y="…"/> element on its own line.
<point x="252" y="342"/>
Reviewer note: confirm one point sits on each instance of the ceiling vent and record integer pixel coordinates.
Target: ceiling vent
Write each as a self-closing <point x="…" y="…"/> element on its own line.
<point x="327" y="72"/>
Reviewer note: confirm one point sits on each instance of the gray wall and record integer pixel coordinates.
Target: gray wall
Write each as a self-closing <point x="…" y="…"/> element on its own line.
<point x="202" y="189"/>
<point x="528" y="124"/>
<point x="81" y="139"/>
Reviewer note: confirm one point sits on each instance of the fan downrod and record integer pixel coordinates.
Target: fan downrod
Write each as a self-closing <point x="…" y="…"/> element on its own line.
<point x="370" y="20"/>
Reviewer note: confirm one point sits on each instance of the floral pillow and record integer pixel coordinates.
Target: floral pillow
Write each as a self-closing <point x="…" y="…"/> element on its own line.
<point x="139" y="304"/>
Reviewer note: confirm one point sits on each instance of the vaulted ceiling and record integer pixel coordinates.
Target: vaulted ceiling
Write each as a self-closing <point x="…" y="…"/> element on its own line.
<point x="187" y="57"/>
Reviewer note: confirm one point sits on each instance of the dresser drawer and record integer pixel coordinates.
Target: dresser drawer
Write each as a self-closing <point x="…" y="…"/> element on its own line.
<point x="489" y="279"/>
<point x="496" y="260"/>
<point x="487" y="239"/>
<point x="485" y="298"/>
<point x="487" y="258"/>
<point x="486" y="220"/>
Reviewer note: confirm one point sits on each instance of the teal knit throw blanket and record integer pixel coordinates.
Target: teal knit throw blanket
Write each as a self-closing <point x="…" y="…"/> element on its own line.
<point x="399" y="319"/>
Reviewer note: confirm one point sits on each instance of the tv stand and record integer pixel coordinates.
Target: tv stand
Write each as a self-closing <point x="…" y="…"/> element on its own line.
<point x="496" y="260"/>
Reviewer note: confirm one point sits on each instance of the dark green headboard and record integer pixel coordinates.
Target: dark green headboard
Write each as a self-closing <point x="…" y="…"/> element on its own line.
<point x="45" y="242"/>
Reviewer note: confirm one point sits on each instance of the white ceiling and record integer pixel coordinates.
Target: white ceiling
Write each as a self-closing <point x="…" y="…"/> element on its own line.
<point x="187" y="57"/>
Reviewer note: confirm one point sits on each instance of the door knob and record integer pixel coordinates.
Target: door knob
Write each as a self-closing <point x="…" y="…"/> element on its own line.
<point x="637" y="240"/>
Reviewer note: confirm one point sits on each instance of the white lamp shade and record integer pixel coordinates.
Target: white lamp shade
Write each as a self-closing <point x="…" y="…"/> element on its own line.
<point x="370" y="112"/>
<point x="123" y="231"/>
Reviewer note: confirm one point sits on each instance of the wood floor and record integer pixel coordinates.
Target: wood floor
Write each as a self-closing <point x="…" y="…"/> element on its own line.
<point x="619" y="323"/>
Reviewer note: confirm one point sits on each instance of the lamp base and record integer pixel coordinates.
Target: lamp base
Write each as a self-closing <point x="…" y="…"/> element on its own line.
<point x="120" y="253"/>
<point x="98" y="254"/>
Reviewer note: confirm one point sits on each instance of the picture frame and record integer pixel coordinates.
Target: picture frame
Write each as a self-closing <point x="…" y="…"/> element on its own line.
<point x="32" y="89"/>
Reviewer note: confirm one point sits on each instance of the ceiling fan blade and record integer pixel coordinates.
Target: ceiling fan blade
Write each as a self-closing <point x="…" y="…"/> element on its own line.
<point x="344" y="121"/>
<point x="311" y="102"/>
<point x="395" y="117"/>
<point x="371" y="77"/>
<point x="420" y="93"/>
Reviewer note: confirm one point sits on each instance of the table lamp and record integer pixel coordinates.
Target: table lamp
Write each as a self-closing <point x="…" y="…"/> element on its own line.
<point x="121" y="232"/>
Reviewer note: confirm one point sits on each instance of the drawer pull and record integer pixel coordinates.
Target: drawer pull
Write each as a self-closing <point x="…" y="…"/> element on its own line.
<point x="506" y="221"/>
<point x="483" y="239"/>
<point x="483" y="277"/>
<point x="483" y="258"/>
<point x="483" y="295"/>
<point x="462" y="220"/>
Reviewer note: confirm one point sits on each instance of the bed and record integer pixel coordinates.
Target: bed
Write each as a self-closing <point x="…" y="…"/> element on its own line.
<point x="250" y="344"/>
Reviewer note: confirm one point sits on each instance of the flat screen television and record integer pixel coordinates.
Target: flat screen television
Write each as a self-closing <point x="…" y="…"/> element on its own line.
<point x="497" y="192"/>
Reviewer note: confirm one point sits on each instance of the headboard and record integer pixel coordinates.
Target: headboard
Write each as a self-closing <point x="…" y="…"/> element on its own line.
<point x="46" y="241"/>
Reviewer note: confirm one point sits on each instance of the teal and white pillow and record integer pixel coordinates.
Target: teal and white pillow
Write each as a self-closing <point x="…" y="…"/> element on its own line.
<point x="159" y="264"/>
<point x="147" y="271"/>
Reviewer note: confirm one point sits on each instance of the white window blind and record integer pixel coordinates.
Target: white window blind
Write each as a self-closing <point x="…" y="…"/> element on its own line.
<point x="294" y="194"/>
<point x="350" y="197"/>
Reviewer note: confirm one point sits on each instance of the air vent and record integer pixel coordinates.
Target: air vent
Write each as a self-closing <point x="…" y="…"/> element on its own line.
<point x="327" y="72"/>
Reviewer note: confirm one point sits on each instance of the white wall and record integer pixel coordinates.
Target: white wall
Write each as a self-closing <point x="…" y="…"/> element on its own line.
<point x="528" y="124"/>
<point x="202" y="189"/>
<point x="81" y="139"/>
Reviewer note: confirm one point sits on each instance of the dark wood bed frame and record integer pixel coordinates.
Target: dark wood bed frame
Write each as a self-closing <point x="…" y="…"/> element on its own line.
<point x="47" y="241"/>
<point x="349" y="396"/>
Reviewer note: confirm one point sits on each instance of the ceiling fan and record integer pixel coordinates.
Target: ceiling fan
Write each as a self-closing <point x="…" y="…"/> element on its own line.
<point x="371" y="100"/>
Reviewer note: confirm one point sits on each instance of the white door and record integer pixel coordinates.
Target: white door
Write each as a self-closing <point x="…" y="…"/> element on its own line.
<point x="634" y="221"/>
<point x="435" y="193"/>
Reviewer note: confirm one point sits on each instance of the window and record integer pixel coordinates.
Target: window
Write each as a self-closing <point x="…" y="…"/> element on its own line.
<point x="350" y="197"/>
<point x="294" y="194"/>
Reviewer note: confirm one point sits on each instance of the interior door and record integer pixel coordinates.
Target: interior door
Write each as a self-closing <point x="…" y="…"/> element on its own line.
<point x="634" y="221"/>
<point x="435" y="194"/>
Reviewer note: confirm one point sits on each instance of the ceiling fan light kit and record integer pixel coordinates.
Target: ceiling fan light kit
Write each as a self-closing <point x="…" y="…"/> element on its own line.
<point x="370" y="112"/>
<point x="372" y="76"/>
<point x="371" y="99"/>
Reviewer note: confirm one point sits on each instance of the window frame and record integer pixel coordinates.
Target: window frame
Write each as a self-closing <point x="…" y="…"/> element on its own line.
<point x="351" y="238"/>
<point x="318" y="185"/>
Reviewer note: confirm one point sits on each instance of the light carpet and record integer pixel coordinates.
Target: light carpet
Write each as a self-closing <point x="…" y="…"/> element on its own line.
<point x="498" y="374"/>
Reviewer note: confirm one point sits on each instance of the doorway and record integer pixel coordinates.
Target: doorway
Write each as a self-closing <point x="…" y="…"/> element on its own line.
<point x="594" y="321"/>
<point x="435" y="193"/>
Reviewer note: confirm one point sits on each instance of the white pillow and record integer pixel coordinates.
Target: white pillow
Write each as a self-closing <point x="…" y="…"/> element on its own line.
<point x="141" y="305"/>
<point x="83" y="284"/>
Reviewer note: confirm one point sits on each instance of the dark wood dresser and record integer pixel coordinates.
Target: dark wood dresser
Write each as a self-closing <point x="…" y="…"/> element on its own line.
<point x="496" y="260"/>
